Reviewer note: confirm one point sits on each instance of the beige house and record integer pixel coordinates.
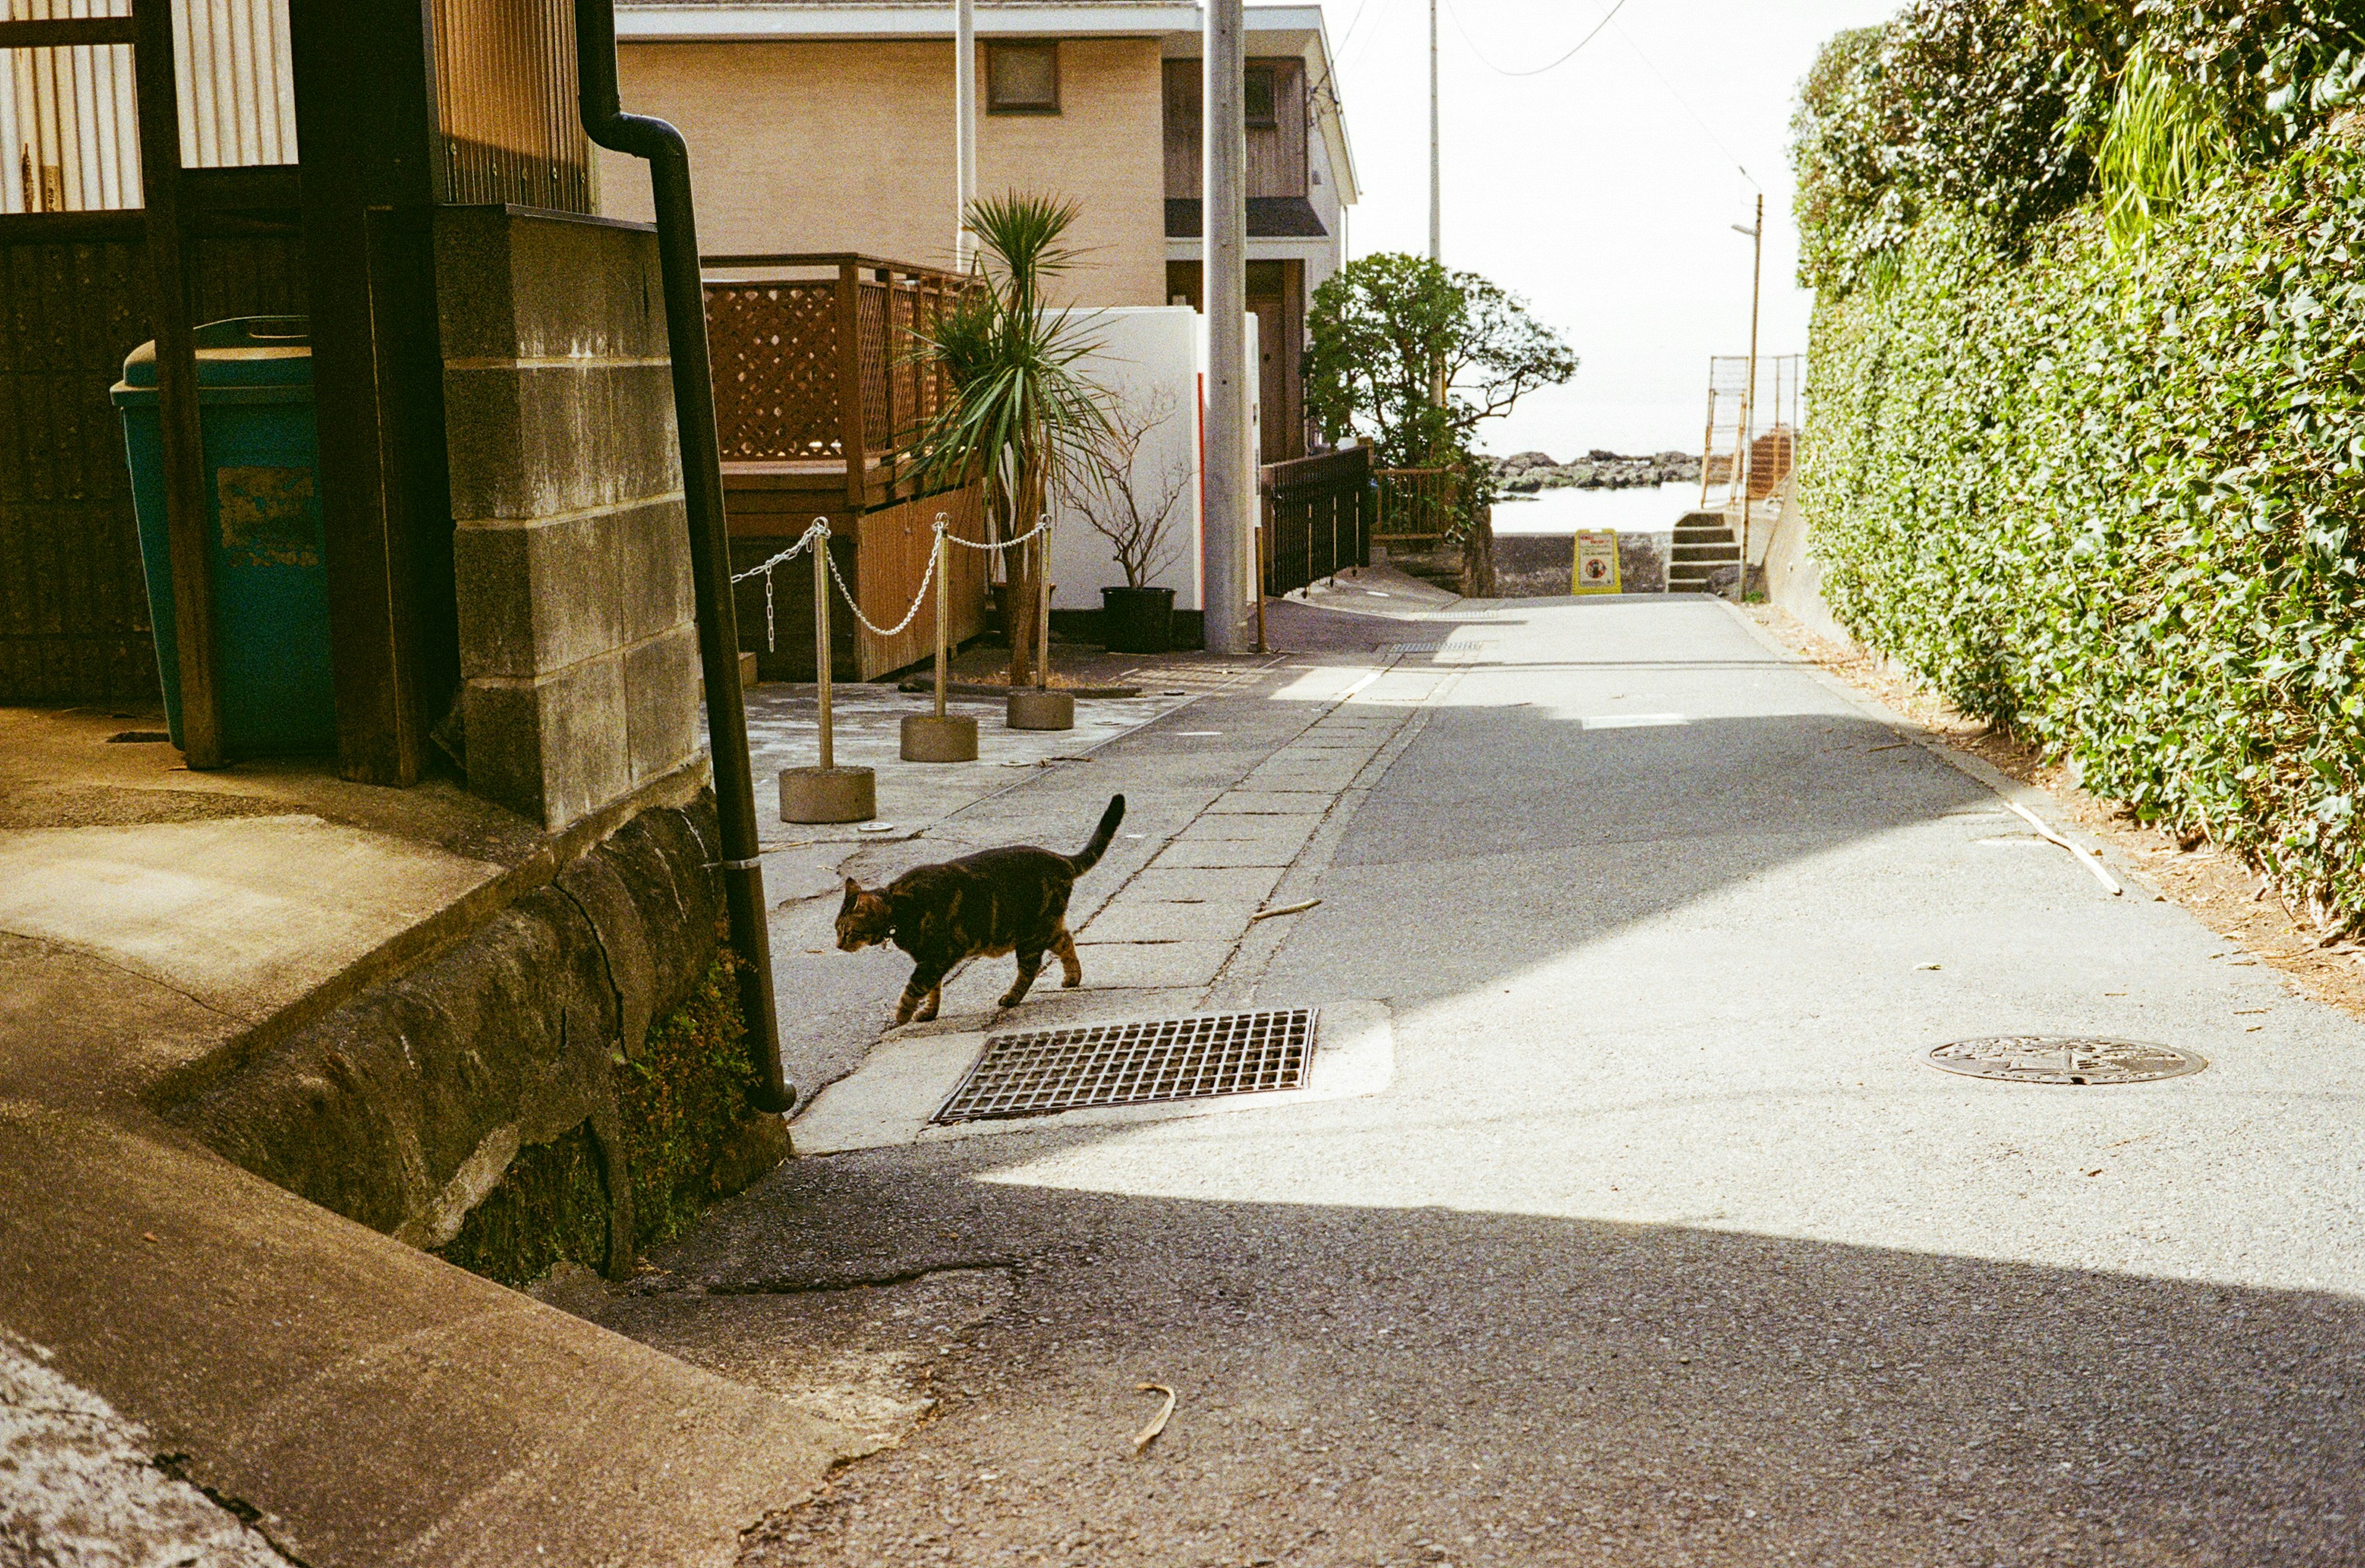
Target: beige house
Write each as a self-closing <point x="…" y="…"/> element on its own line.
<point x="816" y="125"/>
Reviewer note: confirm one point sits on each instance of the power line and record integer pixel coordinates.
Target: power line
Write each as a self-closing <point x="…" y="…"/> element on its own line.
<point x="1540" y="70"/>
<point x="1627" y="40"/>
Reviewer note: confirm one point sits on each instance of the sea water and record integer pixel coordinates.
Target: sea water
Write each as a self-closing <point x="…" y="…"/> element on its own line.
<point x="1647" y="509"/>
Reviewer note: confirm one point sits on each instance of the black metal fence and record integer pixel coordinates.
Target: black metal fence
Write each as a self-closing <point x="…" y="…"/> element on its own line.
<point x="1318" y="518"/>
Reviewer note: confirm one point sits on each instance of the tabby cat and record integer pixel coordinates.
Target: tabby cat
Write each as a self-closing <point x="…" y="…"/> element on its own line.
<point x="982" y="905"/>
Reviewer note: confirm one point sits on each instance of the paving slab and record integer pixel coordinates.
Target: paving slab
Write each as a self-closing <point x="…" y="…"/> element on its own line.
<point x="1163" y="883"/>
<point x="1235" y="854"/>
<point x="1289" y="831"/>
<point x="1128" y="918"/>
<point x="1151" y="965"/>
<point x="1273" y="802"/>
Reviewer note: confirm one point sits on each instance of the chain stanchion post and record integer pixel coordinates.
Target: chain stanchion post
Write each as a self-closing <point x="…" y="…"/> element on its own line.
<point x="823" y="654"/>
<point x="1264" y="579"/>
<point x="944" y="575"/>
<point x="940" y="736"/>
<point x="827" y="793"/>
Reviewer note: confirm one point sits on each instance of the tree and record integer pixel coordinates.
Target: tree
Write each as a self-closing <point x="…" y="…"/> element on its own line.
<point x="1383" y="325"/>
<point x="1131" y="507"/>
<point x="1023" y="415"/>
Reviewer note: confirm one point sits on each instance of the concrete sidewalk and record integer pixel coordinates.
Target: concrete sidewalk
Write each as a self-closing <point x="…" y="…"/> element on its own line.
<point x="1663" y="1244"/>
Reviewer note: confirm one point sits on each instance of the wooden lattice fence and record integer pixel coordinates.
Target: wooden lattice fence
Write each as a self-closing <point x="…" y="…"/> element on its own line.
<point x="787" y="341"/>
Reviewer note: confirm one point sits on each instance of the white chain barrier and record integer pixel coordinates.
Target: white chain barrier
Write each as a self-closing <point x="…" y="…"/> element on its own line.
<point x="820" y="531"/>
<point x="917" y="600"/>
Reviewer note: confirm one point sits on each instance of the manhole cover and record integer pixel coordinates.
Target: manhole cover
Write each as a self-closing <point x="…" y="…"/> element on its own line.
<point x="2064" y="1058"/>
<point x="1133" y="1064"/>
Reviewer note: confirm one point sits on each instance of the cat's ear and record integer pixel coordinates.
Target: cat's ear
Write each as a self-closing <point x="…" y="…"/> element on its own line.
<point x="853" y="895"/>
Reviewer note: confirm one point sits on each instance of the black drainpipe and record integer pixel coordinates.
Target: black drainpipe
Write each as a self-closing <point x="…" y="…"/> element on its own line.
<point x="710" y="554"/>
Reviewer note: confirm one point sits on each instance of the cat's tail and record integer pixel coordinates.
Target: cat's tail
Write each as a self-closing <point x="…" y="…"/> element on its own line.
<point x="1101" y="836"/>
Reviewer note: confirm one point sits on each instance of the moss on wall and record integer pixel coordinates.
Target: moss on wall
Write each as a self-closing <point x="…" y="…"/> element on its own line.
<point x="551" y="1207"/>
<point x="690" y="1138"/>
<point x="687" y="1121"/>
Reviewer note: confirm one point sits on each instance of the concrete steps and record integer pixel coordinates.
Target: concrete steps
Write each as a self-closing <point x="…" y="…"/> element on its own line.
<point x="1705" y="554"/>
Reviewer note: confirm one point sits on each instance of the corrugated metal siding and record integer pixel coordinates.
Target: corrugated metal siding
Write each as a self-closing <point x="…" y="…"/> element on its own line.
<point x="236" y="82"/>
<point x="505" y="95"/>
<point x="71" y="117"/>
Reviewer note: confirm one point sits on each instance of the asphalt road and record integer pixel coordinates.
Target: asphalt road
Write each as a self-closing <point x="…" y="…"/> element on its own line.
<point x="1664" y="1245"/>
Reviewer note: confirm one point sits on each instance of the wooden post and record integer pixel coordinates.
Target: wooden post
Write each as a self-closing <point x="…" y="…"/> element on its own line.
<point x="1264" y="578"/>
<point x="1043" y="603"/>
<point x="821" y="644"/>
<point x="943" y="569"/>
<point x="889" y="359"/>
<point x="367" y="195"/>
<point x="176" y="386"/>
<point x="849" y="385"/>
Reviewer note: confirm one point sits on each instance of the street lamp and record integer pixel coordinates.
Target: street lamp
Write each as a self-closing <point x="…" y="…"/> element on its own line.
<point x="1756" y="232"/>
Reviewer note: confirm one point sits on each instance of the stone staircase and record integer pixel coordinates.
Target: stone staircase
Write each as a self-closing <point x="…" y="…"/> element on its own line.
<point x="1707" y="557"/>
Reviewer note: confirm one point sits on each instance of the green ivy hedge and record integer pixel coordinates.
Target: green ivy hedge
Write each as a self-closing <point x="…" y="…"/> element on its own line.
<point x="2115" y="498"/>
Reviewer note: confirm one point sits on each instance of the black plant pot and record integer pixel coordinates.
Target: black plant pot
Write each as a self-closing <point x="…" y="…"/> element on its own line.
<point x="1138" y="620"/>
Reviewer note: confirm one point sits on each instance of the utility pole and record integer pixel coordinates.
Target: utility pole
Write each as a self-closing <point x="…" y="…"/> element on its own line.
<point x="1436" y="187"/>
<point x="1228" y="493"/>
<point x="965" y="127"/>
<point x="1756" y="234"/>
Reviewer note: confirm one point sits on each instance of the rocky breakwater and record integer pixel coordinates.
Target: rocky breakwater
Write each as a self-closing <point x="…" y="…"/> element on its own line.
<point x="1525" y="473"/>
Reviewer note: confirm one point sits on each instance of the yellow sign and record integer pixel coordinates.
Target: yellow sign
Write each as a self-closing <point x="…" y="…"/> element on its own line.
<point x="1596" y="569"/>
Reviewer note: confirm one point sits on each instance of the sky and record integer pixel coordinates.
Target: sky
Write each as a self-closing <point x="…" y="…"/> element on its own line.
<point x="1604" y="190"/>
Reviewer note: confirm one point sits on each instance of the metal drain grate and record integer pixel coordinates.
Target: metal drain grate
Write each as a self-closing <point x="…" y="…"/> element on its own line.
<point x="2064" y="1058"/>
<point x="1133" y="1064"/>
<point x="1432" y="645"/>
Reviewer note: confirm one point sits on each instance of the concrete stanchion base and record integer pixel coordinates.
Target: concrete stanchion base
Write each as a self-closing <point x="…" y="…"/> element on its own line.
<point x="1033" y="710"/>
<point x="828" y="795"/>
<point x="927" y="738"/>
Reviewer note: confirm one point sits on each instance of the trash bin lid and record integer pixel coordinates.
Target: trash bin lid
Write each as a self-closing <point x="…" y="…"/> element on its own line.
<point x="247" y="350"/>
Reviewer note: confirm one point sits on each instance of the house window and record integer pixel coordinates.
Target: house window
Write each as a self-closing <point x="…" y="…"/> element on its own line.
<point x="1259" y="95"/>
<point x="1022" y="78"/>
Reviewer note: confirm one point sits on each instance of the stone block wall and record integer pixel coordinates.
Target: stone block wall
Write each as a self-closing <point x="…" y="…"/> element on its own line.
<point x="444" y="1089"/>
<point x="579" y="642"/>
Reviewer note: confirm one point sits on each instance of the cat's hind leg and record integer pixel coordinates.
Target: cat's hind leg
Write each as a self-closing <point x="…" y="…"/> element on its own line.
<point x="1030" y="961"/>
<point x="1072" y="967"/>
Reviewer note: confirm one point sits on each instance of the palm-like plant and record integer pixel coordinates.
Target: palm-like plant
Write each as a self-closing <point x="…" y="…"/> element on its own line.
<point x="1021" y="414"/>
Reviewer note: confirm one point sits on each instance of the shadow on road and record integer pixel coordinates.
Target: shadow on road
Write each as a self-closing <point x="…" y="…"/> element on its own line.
<point x="1354" y="1382"/>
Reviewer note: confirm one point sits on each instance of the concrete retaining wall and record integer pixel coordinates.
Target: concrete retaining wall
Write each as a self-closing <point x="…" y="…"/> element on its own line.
<point x="1793" y="577"/>
<point x="1535" y="566"/>
<point x="411" y="1105"/>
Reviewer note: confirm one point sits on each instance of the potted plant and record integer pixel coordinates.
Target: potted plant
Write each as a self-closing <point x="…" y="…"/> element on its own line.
<point x="1130" y="502"/>
<point x="1022" y="416"/>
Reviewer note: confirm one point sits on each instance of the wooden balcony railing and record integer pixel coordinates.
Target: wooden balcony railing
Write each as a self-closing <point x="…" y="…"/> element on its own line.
<point x="815" y="363"/>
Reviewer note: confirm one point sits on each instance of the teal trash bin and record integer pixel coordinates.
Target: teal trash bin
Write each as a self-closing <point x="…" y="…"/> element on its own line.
<point x="263" y="533"/>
